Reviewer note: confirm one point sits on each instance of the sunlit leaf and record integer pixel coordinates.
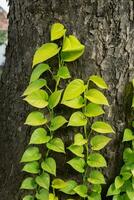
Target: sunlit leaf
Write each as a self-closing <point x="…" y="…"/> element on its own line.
<point x="39" y="136"/>
<point x="99" y="141"/>
<point x="96" y="177"/>
<point x="98" y="81"/>
<point x="57" y="31"/>
<point x="52" y="197"/>
<point x="57" y="122"/>
<point x="68" y="189"/>
<point x="128" y="135"/>
<point x="112" y="190"/>
<point x="118" y="182"/>
<point x="56" y="144"/>
<point x="77" y="150"/>
<point x="42" y="194"/>
<point x="96" y="160"/>
<point x="94" y="196"/>
<point x="102" y="127"/>
<point x="43" y="180"/>
<point x="32" y="167"/>
<point x="93" y="110"/>
<point x="81" y="190"/>
<point x="75" y="103"/>
<point x="77" y="119"/>
<point x="31" y="154"/>
<point x="79" y="140"/>
<point x="35" y="118"/>
<point x="28" y="184"/>
<point x="54" y="98"/>
<point x="49" y="165"/>
<point x="63" y="72"/>
<point x="77" y="163"/>
<point x="58" y="183"/>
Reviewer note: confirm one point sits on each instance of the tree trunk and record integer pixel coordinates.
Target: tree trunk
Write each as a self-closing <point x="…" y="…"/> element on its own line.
<point x="107" y="30"/>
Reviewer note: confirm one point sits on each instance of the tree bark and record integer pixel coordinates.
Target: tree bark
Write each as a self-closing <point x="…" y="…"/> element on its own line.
<point x="107" y="30"/>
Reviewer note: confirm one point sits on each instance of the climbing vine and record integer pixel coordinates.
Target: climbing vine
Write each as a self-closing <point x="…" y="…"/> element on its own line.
<point x="85" y="101"/>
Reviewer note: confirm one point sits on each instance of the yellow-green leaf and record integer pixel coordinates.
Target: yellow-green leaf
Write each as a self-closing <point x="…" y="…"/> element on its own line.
<point x="35" y="118"/>
<point x="128" y="135"/>
<point x="63" y="72"/>
<point x="77" y="119"/>
<point x="79" y="140"/>
<point x="78" y="164"/>
<point x="49" y="165"/>
<point x="32" y="167"/>
<point x="75" y="103"/>
<point x="98" y="81"/>
<point x="102" y="127"/>
<point x="96" y="160"/>
<point x="39" y="136"/>
<point x="28" y="197"/>
<point x="77" y="150"/>
<point x="58" y="183"/>
<point x="93" y="110"/>
<point x="42" y="194"/>
<point x="96" y="177"/>
<point x="57" y="122"/>
<point x="43" y="180"/>
<point x="118" y="182"/>
<point x="57" y="31"/>
<point x="28" y="184"/>
<point x="81" y="190"/>
<point x="99" y="141"/>
<point x="56" y="144"/>
<point x="31" y="154"/>
<point x="54" y="98"/>
<point x="68" y="189"/>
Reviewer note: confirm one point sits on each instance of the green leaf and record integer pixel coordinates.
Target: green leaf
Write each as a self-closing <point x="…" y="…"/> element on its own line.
<point x="112" y="190"/>
<point x="95" y="96"/>
<point x="77" y="150"/>
<point x="37" y="99"/>
<point x="39" y="136"/>
<point x="63" y="73"/>
<point x="35" y="118"/>
<point x="45" y="52"/>
<point x="128" y="156"/>
<point x="128" y="135"/>
<point x="43" y="180"/>
<point x="133" y="102"/>
<point x="77" y="119"/>
<point x="68" y="189"/>
<point x="94" y="196"/>
<point x="125" y="172"/>
<point x="28" y="197"/>
<point x="97" y="188"/>
<point x="74" y="89"/>
<point x="79" y="140"/>
<point x="93" y="110"/>
<point x="32" y="167"/>
<point x="58" y="183"/>
<point x="54" y="98"/>
<point x="38" y="71"/>
<point x="56" y="144"/>
<point x="96" y="177"/>
<point x="99" y="141"/>
<point x="102" y="127"/>
<point x="34" y="86"/>
<point x="57" y="31"/>
<point x="98" y="81"/>
<point x="81" y="190"/>
<point x="28" y="184"/>
<point x="72" y="49"/>
<point x="49" y="165"/>
<point x="57" y="122"/>
<point x="118" y="182"/>
<point x="78" y="164"/>
<point x="31" y="154"/>
<point x="96" y="160"/>
<point x="43" y="194"/>
<point x="75" y="103"/>
<point x="52" y="197"/>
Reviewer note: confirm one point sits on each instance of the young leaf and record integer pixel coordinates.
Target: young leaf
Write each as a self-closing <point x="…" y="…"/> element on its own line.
<point x="45" y="52"/>
<point x="57" y="122"/>
<point x="43" y="194"/>
<point x="56" y="144"/>
<point x="75" y="103"/>
<point x="39" y="136"/>
<point x="37" y="99"/>
<point x="58" y="183"/>
<point x="43" y="180"/>
<point x="112" y="190"/>
<point x="93" y="110"/>
<point x="49" y="165"/>
<point x="38" y="71"/>
<point x="57" y="31"/>
<point x="74" y="89"/>
<point x="128" y="135"/>
<point x="102" y="127"/>
<point x="77" y="163"/>
<point x="96" y="160"/>
<point x="28" y="184"/>
<point x="31" y="154"/>
<point x="97" y="97"/>
<point x="72" y="49"/>
<point x="28" y="197"/>
<point x="79" y="140"/>
<point x="32" y="167"/>
<point x="118" y="182"/>
<point x="96" y="177"/>
<point x="54" y="98"/>
<point x="69" y="188"/>
<point x="35" y="118"/>
<point x="77" y="119"/>
<point x="99" y="141"/>
<point x="63" y="72"/>
<point x="98" y="81"/>
<point x="81" y="190"/>
<point x="34" y="86"/>
<point x="77" y="150"/>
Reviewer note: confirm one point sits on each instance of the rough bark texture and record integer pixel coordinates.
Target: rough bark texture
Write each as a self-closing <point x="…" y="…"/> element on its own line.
<point x="107" y="30"/>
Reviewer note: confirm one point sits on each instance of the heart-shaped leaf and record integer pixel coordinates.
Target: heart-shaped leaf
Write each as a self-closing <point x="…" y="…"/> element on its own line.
<point x="38" y="71"/>
<point x="43" y="180"/>
<point x="102" y="127"/>
<point x="49" y="165"/>
<point x="79" y="140"/>
<point x="96" y="177"/>
<point x="57" y="31"/>
<point x="28" y="197"/>
<point x="45" y="52"/>
<point x="32" y="167"/>
<point x="31" y="154"/>
<point x="94" y="196"/>
<point x="75" y="103"/>
<point x="74" y="89"/>
<point x="68" y="189"/>
<point x="63" y="72"/>
<point x="128" y="156"/>
<point x="77" y="119"/>
<point x="112" y="190"/>
<point x="93" y="110"/>
<point x="54" y="98"/>
<point x="56" y="144"/>
<point x="96" y="160"/>
<point x="37" y="99"/>
<point x="118" y="182"/>
<point x="81" y="190"/>
<point x="99" y="141"/>
<point x="43" y="194"/>
<point x="28" y="184"/>
<point x="97" y="97"/>
<point x="57" y="122"/>
<point x="77" y="150"/>
<point x="78" y="164"/>
<point x="39" y="136"/>
<point x="52" y="197"/>
<point x="58" y="183"/>
<point x="128" y="135"/>
<point x="98" y="81"/>
<point x="35" y="118"/>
